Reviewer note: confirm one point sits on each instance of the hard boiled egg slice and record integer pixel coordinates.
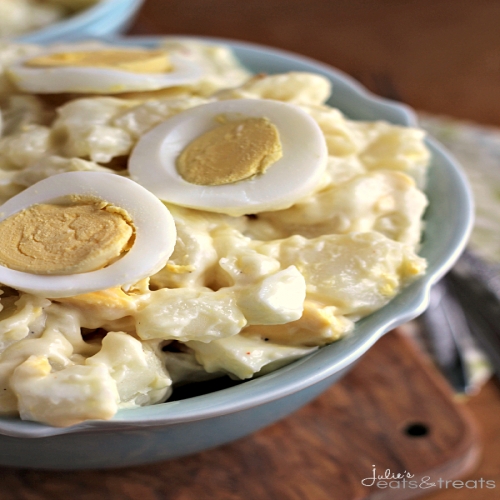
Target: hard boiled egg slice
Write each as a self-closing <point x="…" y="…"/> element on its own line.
<point x="80" y="232"/>
<point x="236" y="157"/>
<point x="91" y="68"/>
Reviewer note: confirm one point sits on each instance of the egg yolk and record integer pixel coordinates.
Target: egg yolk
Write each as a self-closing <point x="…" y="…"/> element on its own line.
<point x="112" y="298"/>
<point x="134" y="61"/>
<point x="318" y="325"/>
<point x="65" y="239"/>
<point x="231" y="152"/>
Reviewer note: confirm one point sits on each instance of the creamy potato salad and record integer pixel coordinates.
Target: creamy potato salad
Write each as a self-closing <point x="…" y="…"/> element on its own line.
<point x="168" y="217"/>
<point x="22" y="16"/>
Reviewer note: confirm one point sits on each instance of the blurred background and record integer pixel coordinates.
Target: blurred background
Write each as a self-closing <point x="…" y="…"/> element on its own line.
<point x="441" y="56"/>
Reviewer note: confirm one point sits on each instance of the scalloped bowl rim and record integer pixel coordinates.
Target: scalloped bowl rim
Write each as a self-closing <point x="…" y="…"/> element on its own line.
<point x="334" y="357"/>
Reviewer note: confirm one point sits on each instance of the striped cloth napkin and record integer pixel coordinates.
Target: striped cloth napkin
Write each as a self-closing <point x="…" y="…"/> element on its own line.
<point x="477" y="148"/>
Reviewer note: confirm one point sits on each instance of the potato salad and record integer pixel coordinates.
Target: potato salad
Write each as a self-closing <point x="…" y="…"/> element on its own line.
<point x="167" y="217"/>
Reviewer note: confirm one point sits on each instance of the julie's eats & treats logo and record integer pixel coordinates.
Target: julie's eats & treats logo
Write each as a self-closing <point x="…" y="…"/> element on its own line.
<point x="388" y="479"/>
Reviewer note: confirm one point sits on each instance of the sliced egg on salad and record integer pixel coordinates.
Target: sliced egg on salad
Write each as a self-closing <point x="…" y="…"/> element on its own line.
<point x="80" y="232"/>
<point x="237" y="157"/>
<point x="97" y="68"/>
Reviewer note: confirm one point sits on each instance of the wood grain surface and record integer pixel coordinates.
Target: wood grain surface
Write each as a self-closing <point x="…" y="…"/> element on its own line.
<point x="393" y="410"/>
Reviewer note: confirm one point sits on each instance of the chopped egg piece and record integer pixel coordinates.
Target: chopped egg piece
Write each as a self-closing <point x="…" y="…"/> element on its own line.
<point x="112" y="298"/>
<point x="193" y="161"/>
<point x="63" y="239"/>
<point x="318" y="325"/>
<point x="127" y="203"/>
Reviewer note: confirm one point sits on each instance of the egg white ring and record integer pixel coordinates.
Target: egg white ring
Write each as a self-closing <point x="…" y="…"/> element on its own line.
<point x="303" y="144"/>
<point x="155" y="233"/>
<point x="185" y="70"/>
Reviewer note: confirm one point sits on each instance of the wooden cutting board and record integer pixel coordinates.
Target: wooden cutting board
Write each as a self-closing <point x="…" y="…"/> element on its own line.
<point x="392" y="411"/>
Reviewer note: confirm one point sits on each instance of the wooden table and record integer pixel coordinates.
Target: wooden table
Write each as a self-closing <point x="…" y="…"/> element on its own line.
<point x="441" y="56"/>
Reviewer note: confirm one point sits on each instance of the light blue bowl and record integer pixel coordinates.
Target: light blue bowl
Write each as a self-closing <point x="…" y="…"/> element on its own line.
<point x="106" y="18"/>
<point x="177" y="428"/>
